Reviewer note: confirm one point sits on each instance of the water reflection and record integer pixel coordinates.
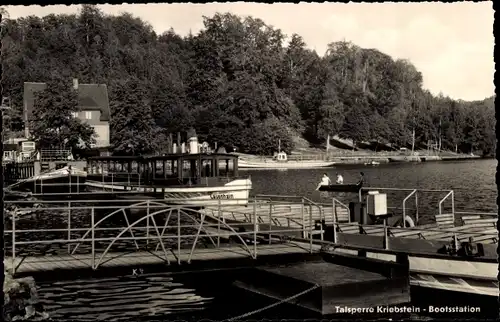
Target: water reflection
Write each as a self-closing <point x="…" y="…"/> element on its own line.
<point x="120" y="298"/>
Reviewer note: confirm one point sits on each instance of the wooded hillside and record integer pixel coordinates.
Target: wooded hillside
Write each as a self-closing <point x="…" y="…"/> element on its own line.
<point x="236" y="83"/>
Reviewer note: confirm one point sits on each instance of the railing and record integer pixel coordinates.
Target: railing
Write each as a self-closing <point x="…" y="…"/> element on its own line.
<point x="174" y="229"/>
<point x="416" y="193"/>
<point x="452" y="195"/>
<point x="434" y="234"/>
<point x="133" y="179"/>
<point x="55" y="155"/>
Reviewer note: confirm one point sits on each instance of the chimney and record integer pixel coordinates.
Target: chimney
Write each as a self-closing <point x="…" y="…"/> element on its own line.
<point x="75" y="83"/>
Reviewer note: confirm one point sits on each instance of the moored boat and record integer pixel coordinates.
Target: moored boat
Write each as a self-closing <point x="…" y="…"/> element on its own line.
<point x="64" y="180"/>
<point x="186" y="178"/>
<point x="281" y="161"/>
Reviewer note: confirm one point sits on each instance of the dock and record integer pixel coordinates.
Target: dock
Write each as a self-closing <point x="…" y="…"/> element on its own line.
<point x="120" y="236"/>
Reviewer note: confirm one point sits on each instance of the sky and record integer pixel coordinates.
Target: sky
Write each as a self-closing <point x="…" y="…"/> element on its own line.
<point x="450" y="43"/>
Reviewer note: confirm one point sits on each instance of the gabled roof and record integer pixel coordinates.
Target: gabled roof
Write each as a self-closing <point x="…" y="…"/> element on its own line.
<point x="91" y="97"/>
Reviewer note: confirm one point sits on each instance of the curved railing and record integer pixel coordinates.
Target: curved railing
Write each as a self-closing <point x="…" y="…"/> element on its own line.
<point x="178" y="238"/>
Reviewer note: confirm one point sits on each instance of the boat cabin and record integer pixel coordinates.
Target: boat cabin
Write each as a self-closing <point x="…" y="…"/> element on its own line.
<point x="281" y="157"/>
<point x="169" y="170"/>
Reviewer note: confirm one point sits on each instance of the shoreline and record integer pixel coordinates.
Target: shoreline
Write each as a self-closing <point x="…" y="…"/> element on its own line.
<point x="361" y="160"/>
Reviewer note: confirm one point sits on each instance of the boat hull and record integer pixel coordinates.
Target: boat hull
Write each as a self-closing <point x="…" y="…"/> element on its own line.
<point x="235" y="192"/>
<point x="244" y="164"/>
<point x="58" y="181"/>
<point x="457" y="276"/>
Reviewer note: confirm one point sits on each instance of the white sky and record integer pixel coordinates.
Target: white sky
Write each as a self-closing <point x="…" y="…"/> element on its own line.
<point x="450" y="43"/>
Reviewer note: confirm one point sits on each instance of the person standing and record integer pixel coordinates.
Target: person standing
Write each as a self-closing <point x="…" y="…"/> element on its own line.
<point x="361" y="178"/>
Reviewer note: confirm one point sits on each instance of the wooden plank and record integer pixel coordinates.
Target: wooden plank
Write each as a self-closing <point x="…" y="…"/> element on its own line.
<point x="481" y="225"/>
<point x="478" y="221"/>
<point x="485" y="237"/>
<point x="470" y="217"/>
<point x="406" y="233"/>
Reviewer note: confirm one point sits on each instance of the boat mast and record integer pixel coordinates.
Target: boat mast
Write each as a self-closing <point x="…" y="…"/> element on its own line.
<point x="279" y="145"/>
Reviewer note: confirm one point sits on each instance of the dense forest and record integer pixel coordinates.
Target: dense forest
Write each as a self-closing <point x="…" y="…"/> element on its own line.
<point x="238" y="82"/>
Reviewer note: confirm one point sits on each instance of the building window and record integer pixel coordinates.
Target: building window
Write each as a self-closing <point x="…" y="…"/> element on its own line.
<point x="74" y="114"/>
<point x="88" y="115"/>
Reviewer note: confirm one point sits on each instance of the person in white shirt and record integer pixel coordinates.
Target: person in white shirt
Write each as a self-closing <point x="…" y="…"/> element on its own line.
<point x="340" y="179"/>
<point x="325" y="181"/>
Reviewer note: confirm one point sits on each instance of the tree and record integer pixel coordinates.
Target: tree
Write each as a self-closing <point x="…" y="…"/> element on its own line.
<point x="236" y="75"/>
<point x="52" y="124"/>
<point x="133" y="130"/>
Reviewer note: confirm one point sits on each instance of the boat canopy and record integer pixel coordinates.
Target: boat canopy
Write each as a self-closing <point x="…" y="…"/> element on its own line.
<point x="171" y="168"/>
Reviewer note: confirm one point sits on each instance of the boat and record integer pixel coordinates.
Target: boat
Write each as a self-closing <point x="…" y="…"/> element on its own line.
<point x="450" y="255"/>
<point x="342" y="187"/>
<point x="280" y="161"/>
<point x="63" y="180"/>
<point x="180" y="178"/>
<point x="372" y="163"/>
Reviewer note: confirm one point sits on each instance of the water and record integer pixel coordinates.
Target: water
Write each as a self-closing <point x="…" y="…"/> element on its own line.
<point x="210" y="295"/>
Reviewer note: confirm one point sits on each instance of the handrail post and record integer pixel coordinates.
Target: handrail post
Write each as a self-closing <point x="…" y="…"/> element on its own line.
<point x="303" y="219"/>
<point x="93" y="237"/>
<point x="453" y="205"/>
<point x="404" y="206"/>
<point x="270" y="222"/>
<point x="13" y="268"/>
<point x="147" y="223"/>
<point x="255" y="228"/>
<point x="112" y="183"/>
<point x="386" y="237"/>
<point x="178" y="236"/>
<point x="218" y="223"/>
<point x="335" y="229"/>
<point x="310" y="230"/>
<point x="69" y="227"/>
<point x="321" y="218"/>
<point x="416" y="207"/>
<point x="334" y="209"/>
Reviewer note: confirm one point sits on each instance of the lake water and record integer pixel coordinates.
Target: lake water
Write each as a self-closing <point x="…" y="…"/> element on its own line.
<point x="211" y="296"/>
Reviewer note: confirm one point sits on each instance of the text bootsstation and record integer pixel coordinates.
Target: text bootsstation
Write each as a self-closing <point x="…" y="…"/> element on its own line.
<point x="407" y="309"/>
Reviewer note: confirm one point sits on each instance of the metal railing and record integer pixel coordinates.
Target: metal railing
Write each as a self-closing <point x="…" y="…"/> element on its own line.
<point x="416" y="192"/>
<point x="452" y="195"/>
<point x="154" y="227"/>
<point x="175" y="230"/>
<point x="434" y="234"/>
<point x="55" y="155"/>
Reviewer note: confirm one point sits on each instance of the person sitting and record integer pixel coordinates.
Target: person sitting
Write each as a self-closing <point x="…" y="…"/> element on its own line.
<point x="340" y="179"/>
<point x="325" y="181"/>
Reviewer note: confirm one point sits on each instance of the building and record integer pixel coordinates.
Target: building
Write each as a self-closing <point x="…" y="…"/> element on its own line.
<point x="93" y="105"/>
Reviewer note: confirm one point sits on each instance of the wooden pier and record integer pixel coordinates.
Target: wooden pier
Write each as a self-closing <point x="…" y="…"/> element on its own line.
<point x="225" y="256"/>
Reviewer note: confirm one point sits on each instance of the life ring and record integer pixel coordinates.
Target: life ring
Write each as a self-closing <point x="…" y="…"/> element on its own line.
<point x="409" y="222"/>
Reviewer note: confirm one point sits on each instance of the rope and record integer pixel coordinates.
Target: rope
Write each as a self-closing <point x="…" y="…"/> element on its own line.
<point x="273" y="305"/>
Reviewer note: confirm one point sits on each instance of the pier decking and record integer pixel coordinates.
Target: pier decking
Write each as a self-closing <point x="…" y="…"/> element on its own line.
<point x="139" y="259"/>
